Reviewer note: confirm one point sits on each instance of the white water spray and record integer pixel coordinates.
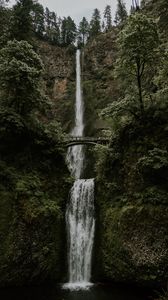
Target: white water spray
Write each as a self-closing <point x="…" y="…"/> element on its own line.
<point x="80" y="210"/>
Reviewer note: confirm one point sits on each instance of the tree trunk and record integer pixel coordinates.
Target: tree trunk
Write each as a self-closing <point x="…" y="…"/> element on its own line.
<point x="139" y="76"/>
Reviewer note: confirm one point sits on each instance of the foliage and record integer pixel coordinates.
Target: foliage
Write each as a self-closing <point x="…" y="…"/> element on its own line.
<point x="163" y="296"/>
<point x="138" y="51"/>
<point x="22" y="27"/>
<point x="83" y="31"/>
<point x="20" y="71"/>
<point x="95" y="24"/>
<point x="121" y="13"/>
<point x="107" y="18"/>
<point x="5" y="16"/>
<point x="38" y="19"/>
<point x="68" y="31"/>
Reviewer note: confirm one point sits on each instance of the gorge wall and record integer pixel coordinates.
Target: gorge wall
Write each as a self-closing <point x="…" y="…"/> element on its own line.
<point x="131" y="184"/>
<point x="59" y="81"/>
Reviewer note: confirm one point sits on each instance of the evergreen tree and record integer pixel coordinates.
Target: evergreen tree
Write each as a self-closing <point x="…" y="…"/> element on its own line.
<point x="121" y="13"/>
<point x="68" y="31"/>
<point x="52" y="27"/>
<point x="107" y="18"/>
<point x="83" y="30"/>
<point x="22" y="25"/>
<point x="55" y="29"/>
<point x="5" y="16"/>
<point x="95" y="24"/>
<point x="38" y="19"/>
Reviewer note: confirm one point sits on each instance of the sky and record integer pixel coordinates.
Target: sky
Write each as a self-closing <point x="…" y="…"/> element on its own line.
<point x="79" y="8"/>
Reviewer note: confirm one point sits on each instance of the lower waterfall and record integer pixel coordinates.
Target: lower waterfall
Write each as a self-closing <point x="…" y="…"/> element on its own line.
<point x="80" y="209"/>
<point x="81" y="224"/>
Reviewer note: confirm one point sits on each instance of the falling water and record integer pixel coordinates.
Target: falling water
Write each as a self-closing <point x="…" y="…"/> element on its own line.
<point x="75" y="156"/>
<point x="80" y="210"/>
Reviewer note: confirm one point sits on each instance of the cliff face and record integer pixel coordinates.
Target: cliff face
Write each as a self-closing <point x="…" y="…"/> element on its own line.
<point x="99" y="84"/>
<point x="59" y="81"/>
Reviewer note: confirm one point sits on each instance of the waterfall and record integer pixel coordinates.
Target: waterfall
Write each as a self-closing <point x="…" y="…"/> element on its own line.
<point x="80" y="209"/>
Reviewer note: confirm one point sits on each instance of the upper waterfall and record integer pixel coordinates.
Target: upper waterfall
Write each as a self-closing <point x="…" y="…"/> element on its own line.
<point x="75" y="156"/>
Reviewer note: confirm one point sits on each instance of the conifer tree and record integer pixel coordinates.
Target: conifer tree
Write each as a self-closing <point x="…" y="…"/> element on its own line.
<point x="107" y="18"/>
<point x="22" y="25"/>
<point x="83" y="30"/>
<point x="121" y="13"/>
<point x="5" y="16"/>
<point x="95" y="24"/>
<point x="38" y="19"/>
<point x="68" y="31"/>
<point x="52" y="28"/>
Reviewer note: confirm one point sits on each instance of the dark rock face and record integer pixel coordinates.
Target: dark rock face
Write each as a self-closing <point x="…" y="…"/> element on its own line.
<point x="99" y="85"/>
<point x="59" y="81"/>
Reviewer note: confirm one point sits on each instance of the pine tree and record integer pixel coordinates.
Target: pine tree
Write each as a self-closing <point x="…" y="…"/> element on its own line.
<point x="107" y="18"/>
<point x="38" y="19"/>
<point x="95" y="24"/>
<point x="83" y="30"/>
<point x="5" y="18"/>
<point x="52" y="28"/>
<point x="55" y="29"/>
<point x="22" y="25"/>
<point x="68" y="31"/>
<point x="121" y="13"/>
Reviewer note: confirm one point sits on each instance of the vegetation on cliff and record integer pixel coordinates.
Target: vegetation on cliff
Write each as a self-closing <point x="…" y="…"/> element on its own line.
<point x="34" y="180"/>
<point x="132" y="172"/>
<point x="126" y="97"/>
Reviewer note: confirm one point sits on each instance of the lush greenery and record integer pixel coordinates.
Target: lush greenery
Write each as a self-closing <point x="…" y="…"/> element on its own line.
<point x="34" y="180"/>
<point x="126" y="96"/>
<point x="132" y="171"/>
<point x="28" y="19"/>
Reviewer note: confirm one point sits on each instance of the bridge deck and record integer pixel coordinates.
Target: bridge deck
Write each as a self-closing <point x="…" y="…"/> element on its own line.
<point x="78" y="140"/>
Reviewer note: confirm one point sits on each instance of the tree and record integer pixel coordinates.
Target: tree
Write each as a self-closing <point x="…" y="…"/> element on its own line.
<point x="20" y="71"/>
<point x="68" y="31"/>
<point x="95" y="24"/>
<point x="38" y="19"/>
<point x="138" y="48"/>
<point x="22" y="25"/>
<point x="83" y="30"/>
<point x="5" y="16"/>
<point x="108" y="18"/>
<point x="121" y="13"/>
<point x="52" y="27"/>
<point x="162" y="10"/>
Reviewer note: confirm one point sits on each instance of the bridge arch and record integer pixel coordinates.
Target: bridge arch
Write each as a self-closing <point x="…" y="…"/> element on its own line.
<point x="75" y="141"/>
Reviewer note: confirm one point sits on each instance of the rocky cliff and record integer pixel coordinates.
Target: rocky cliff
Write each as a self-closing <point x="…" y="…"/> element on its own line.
<point x="99" y="84"/>
<point x="59" y="81"/>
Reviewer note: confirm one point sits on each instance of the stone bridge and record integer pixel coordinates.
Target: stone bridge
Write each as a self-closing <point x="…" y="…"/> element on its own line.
<point x="78" y="140"/>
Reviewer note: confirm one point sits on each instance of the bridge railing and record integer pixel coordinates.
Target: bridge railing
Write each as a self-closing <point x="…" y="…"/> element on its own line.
<point x="81" y="138"/>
